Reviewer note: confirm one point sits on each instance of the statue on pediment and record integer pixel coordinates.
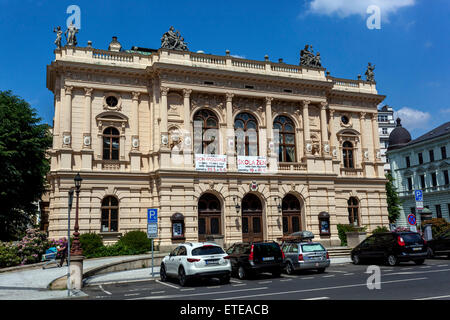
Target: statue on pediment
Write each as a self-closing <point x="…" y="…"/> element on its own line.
<point x="308" y="58"/>
<point x="173" y="40"/>
<point x="70" y="34"/>
<point x="370" y="75"/>
<point x="59" y="33"/>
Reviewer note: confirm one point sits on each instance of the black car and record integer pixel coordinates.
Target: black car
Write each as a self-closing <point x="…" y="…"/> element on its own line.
<point x="440" y="245"/>
<point x="391" y="248"/>
<point x="251" y="258"/>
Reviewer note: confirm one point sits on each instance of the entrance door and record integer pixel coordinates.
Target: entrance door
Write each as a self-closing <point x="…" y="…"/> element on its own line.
<point x="209" y="216"/>
<point x="291" y="212"/>
<point x="252" y="225"/>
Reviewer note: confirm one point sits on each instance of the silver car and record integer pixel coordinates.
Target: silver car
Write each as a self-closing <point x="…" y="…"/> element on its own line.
<point x="305" y="255"/>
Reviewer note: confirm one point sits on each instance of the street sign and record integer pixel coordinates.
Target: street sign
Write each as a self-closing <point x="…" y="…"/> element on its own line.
<point x="152" y="230"/>
<point x="418" y="195"/>
<point x="419" y="205"/>
<point x="412" y="220"/>
<point x="152" y="215"/>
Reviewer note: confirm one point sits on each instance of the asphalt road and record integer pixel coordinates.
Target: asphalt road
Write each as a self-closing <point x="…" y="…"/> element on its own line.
<point x="430" y="281"/>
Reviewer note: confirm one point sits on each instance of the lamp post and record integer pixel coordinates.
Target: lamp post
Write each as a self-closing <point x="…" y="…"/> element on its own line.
<point x="76" y="250"/>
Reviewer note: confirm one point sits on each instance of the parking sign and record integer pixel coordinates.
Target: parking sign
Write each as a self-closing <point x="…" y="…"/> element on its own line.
<point x="152" y="215"/>
<point x="419" y="195"/>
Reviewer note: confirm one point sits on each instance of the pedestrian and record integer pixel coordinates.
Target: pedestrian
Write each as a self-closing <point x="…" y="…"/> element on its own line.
<point x="63" y="252"/>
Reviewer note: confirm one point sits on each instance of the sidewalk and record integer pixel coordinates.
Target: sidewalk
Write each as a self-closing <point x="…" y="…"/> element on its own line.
<point x="33" y="284"/>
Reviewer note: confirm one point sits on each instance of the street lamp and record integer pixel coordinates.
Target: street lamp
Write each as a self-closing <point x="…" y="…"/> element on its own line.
<point x="76" y="250"/>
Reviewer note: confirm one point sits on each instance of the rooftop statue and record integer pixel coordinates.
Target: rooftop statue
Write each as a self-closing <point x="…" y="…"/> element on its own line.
<point x="173" y="40"/>
<point x="370" y="76"/>
<point x="59" y="33"/>
<point x="70" y="34"/>
<point x="308" y="59"/>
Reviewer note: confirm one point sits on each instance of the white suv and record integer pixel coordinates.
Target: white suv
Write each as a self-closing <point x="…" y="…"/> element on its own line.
<point x="196" y="260"/>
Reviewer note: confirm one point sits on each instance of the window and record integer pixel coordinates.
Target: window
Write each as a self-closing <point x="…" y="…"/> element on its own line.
<point x="291" y="214"/>
<point x="431" y="152"/>
<point x="444" y="152"/>
<point x="353" y="207"/>
<point x="347" y="150"/>
<point x="408" y="162"/>
<point x="438" y="211"/>
<point x="410" y="184"/>
<point x="345" y="120"/>
<point x="246" y="128"/>
<point x="209" y="216"/>
<point x="112" y="101"/>
<point x="111" y="138"/>
<point x="446" y="180"/>
<point x="433" y="179"/>
<point x="110" y="215"/>
<point x="420" y="158"/>
<point x="422" y="182"/>
<point x="286" y="135"/>
<point x="206" y="132"/>
<point x="384" y="130"/>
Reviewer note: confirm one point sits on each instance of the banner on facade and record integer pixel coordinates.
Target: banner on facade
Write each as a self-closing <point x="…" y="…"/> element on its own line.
<point x="252" y="164"/>
<point x="210" y="163"/>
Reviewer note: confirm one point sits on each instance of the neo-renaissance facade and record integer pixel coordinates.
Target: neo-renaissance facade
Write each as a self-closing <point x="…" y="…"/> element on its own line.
<point x="221" y="146"/>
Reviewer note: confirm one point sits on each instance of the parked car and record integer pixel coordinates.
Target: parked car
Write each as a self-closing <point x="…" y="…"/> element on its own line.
<point x="251" y="258"/>
<point x="440" y="245"/>
<point x="305" y="255"/>
<point x="189" y="261"/>
<point x="391" y="248"/>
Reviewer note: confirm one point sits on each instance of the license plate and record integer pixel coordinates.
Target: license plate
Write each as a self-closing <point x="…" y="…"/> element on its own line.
<point x="210" y="262"/>
<point x="417" y="249"/>
<point x="268" y="258"/>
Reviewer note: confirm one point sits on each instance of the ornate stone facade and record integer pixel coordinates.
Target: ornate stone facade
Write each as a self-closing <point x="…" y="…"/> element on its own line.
<point x="126" y="122"/>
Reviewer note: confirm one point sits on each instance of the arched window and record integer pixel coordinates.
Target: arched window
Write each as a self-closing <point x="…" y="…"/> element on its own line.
<point x="206" y="132"/>
<point x="246" y="128"/>
<point x="110" y="214"/>
<point x="209" y="216"/>
<point x="252" y="227"/>
<point x="111" y="138"/>
<point x="286" y="134"/>
<point x="353" y="208"/>
<point x="347" y="152"/>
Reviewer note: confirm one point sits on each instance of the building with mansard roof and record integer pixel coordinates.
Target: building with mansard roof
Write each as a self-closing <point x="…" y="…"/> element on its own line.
<point x="225" y="148"/>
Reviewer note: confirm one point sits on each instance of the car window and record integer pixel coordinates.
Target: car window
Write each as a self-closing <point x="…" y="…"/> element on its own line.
<point x="231" y="249"/>
<point x="245" y="249"/>
<point x="312" y="247"/>
<point x="412" y="238"/>
<point x="386" y="237"/>
<point x="294" y="248"/>
<point x="237" y="249"/>
<point x="286" y="248"/>
<point x="182" y="251"/>
<point x="369" y="241"/>
<point x="206" y="250"/>
<point x="174" y="251"/>
<point x="267" y="249"/>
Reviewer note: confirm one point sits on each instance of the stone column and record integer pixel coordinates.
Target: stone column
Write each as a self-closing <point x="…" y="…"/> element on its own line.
<point x="230" y="132"/>
<point x="135" y="121"/>
<point x="87" y="140"/>
<point x="379" y="167"/>
<point x="188" y="137"/>
<point x="56" y="119"/>
<point x="163" y="123"/>
<point x="67" y="120"/>
<point x="333" y="138"/>
<point x="324" y="128"/>
<point x="269" y="126"/>
<point x="306" y="132"/>
<point x="364" y="150"/>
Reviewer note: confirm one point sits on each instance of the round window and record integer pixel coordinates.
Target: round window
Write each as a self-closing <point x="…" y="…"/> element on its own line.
<point x="112" y="101"/>
<point x="344" y="119"/>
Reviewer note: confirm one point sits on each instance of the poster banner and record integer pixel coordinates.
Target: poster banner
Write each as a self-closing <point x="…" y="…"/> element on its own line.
<point x="252" y="164"/>
<point x="210" y="163"/>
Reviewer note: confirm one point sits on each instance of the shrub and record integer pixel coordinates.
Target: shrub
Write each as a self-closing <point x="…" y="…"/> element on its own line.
<point x="32" y="246"/>
<point x="343" y="228"/>
<point x="380" y="229"/>
<point x="90" y="243"/>
<point x="9" y="256"/>
<point x="136" y="241"/>
<point x="438" y="226"/>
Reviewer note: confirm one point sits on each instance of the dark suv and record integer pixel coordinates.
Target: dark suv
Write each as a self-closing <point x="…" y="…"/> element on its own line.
<point x="391" y="248"/>
<point x="251" y="258"/>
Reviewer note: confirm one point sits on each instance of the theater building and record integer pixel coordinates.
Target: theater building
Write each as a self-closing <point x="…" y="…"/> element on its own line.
<point x="222" y="146"/>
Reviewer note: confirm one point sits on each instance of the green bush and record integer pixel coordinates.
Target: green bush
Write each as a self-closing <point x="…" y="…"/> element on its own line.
<point x="343" y="228"/>
<point x="136" y="241"/>
<point x="380" y="229"/>
<point x="9" y="255"/>
<point x="438" y="226"/>
<point x="90" y="243"/>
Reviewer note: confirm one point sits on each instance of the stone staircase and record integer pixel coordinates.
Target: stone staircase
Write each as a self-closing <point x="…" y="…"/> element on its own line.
<point x="339" y="252"/>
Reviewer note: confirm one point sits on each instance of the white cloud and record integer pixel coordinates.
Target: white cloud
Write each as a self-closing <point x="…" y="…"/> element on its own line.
<point x="445" y="110"/>
<point x="238" y="56"/>
<point x="412" y="118"/>
<point x="345" y="8"/>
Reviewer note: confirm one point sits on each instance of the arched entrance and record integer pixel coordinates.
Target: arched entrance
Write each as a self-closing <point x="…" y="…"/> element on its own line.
<point x="291" y="212"/>
<point x="252" y="226"/>
<point x="209" y="216"/>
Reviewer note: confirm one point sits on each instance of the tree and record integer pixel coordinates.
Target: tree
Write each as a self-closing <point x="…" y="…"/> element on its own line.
<point x="23" y="162"/>
<point x="393" y="201"/>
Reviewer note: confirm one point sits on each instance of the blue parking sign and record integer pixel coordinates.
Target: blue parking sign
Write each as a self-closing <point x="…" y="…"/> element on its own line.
<point x="152" y="215"/>
<point x="419" y="195"/>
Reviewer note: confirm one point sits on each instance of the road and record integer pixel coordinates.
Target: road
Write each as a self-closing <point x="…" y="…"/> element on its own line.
<point x="407" y="281"/>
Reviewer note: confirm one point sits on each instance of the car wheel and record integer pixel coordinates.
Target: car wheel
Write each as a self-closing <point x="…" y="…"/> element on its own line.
<point x="392" y="260"/>
<point x="430" y="253"/>
<point x="162" y="273"/>
<point x="321" y="270"/>
<point x="419" y="262"/>
<point x="241" y="273"/>
<point x="356" y="259"/>
<point x="182" y="277"/>
<point x="225" y="279"/>
<point x="289" y="268"/>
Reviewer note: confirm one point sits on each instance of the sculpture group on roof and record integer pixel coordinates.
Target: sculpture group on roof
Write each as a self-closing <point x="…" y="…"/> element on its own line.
<point x="173" y="40"/>
<point x="71" y="38"/>
<point x="309" y="59"/>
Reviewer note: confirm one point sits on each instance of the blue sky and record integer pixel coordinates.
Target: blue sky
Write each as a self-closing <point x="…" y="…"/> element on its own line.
<point x="410" y="51"/>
